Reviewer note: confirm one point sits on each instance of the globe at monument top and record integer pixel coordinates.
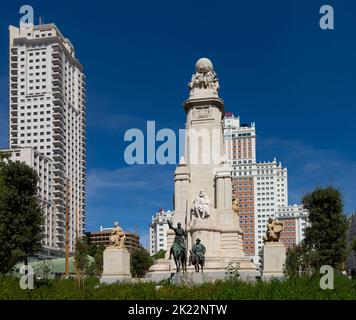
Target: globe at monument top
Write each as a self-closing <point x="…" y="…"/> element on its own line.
<point x="204" y="82"/>
<point x="203" y="65"/>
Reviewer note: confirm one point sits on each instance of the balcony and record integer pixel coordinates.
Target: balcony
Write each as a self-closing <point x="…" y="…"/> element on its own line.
<point x="58" y="122"/>
<point x="58" y="192"/>
<point x="59" y="235"/>
<point x="58" y="107"/>
<point x="58" y="137"/>
<point x="57" y="76"/>
<point x="14" y="71"/>
<point x="60" y="228"/>
<point x="57" y="82"/>
<point x="58" y="195"/>
<point x="14" y="65"/>
<point x="56" y="54"/>
<point x="57" y="61"/>
<point x="56" y="47"/>
<point x="58" y="182"/>
<point x="58" y="130"/>
<point x="58" y="115"/>
<point x="14" y="111"/>
<point x="58" y="144"/>
<point x="58" y="157"/>
<point x="58" y="169"/>
<point x="57" y="93"/>
<point x="56" y="68"/>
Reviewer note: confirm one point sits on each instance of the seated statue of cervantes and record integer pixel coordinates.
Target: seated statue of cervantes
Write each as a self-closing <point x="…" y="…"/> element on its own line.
<point x="200" y="208"/>
<point x="117" y="237"/>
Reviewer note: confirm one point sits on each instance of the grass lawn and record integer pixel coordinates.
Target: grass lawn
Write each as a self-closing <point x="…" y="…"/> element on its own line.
<point x="290" y="289"/>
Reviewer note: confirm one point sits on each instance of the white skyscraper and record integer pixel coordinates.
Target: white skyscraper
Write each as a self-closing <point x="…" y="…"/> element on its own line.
<point x="158" y="231"/>
<point x="47" y="114"/>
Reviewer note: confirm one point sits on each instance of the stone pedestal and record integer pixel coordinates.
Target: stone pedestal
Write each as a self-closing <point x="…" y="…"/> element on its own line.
<point x="274" y="258"/>
<point x="116" y="266"/>
<point x="161" y="270"/>
<point x="190" y="278"/>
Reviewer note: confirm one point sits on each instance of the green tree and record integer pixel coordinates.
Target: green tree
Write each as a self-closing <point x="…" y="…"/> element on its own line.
<point x="325" y="239"/>
<point x="98" y="258"/>
<point x="293" y="261"/>
<point x="82" y="263"/>
<point x="159" y="255"/>
<point x="21" y="216"/>
<point x="140" y="262"/>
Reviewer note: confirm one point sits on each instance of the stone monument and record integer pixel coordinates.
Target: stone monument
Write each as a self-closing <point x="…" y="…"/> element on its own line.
<point x="116" y="264"/>
<point x="203" y="185"/>
<point x="274" y="252"/>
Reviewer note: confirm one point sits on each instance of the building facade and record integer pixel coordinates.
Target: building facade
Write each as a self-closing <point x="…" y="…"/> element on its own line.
<point x="47" y="114"/>
<point x="158" y="231"/>
<point x="260" y="187"/>
<point x="295" y="220"/>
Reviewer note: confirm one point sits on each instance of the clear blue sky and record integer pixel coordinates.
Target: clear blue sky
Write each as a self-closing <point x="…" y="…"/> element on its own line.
<point x="276" y="68"/>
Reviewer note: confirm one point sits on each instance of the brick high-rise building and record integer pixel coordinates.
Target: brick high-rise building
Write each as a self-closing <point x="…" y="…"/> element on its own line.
<point x="261" y="187"/>
<point x="47" y="114"/>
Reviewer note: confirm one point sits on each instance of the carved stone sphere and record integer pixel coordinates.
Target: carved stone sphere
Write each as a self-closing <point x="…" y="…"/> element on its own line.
<point x="203" y="65"/>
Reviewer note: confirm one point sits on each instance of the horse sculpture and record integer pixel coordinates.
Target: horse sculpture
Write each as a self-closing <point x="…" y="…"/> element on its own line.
<point x="180" y="258"/>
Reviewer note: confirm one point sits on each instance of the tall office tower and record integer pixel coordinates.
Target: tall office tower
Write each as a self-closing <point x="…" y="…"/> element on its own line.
<point x="240" y="150"/>
<point x="261" y="187"/>
<point x="47" y="113"/>
<point x="158" y="231"/>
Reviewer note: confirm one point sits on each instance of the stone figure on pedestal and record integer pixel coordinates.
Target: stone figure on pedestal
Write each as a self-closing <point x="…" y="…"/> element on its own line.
<point x="117" y="237"/>
<point x="200" y="208"/>
<point x="274" y="229"/>
<point x="274" y="252"/>
<point x="235" y="204"/>
<point x="116" y="258"/>
<point x="178" y="248"/>
<point x="197" y="255"/>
